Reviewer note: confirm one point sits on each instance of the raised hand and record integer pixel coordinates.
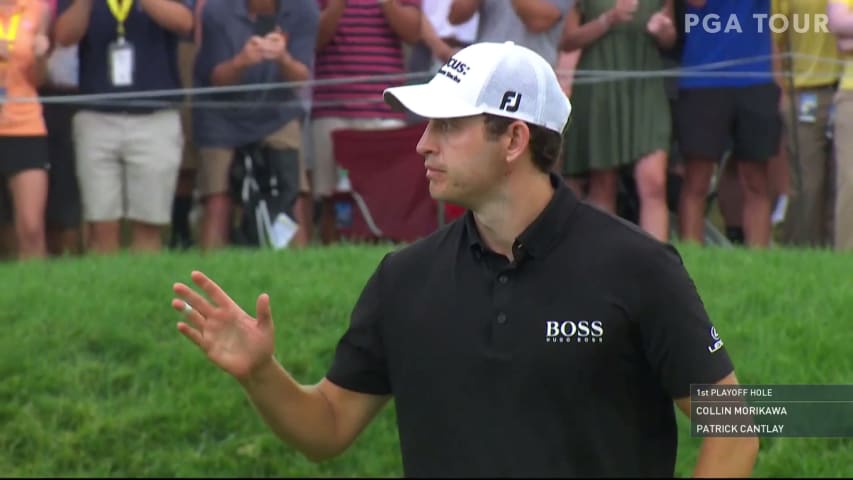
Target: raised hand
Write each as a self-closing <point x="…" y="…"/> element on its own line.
<point x="659" y="24"/>
<point x="623" y="11"/>
<point x="253" y="52"/>
<point x="231" y="338"/>
<point x="275" y="45"/>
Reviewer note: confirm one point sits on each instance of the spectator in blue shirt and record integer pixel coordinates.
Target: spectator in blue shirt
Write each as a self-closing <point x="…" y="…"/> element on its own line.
<point x="246" y="42"/>
<point x="128" y="152"/>
<point x="727" y="108"/>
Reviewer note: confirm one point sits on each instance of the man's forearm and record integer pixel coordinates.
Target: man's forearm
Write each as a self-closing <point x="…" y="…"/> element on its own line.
<point x="72" y="24"/>
<point x="404" y="20"/>
<point x="293" y="70"/>
<point x="169" y="14"/>
<point x="329" y="19"/>
<point x="726" y="457"/>
<point x="229" y="72"/>
<point x="299" y="415"/>
<point x="462" y="10"/>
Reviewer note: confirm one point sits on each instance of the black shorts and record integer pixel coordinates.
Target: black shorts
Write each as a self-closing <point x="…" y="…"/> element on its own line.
<point x="709" y="121"/>
<point x="22" y="153"/>
<point x="18" y="154"/>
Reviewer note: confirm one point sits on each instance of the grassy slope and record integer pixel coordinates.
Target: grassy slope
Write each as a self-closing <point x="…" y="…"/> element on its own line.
<point x="96" y="380"/>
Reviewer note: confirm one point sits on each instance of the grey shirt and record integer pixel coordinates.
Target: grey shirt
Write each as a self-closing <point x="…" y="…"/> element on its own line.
<point x="500" y="23"/>
<point x="247" y="117"/>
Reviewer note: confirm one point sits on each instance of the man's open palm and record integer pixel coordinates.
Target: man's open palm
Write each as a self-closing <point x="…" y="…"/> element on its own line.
<point x="231" y="338"/>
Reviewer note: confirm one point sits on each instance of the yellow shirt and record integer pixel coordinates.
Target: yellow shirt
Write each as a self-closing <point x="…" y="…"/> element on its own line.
<point x="814" y="56"/>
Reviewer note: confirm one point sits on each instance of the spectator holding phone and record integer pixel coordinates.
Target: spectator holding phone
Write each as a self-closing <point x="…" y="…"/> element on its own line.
<point x="128" y="154"/>
<point x="247" y="42"/>
<point x="23" y="135"/>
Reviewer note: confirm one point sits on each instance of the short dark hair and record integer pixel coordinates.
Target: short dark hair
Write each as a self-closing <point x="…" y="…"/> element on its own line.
<point x="546" y="145"/>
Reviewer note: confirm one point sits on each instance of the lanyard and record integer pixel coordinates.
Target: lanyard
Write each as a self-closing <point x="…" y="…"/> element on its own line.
<point x="120" y="10"/>
<point x="9" y="32"/>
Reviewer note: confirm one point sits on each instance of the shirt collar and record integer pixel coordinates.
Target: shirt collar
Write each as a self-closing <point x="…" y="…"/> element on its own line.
<point x="543" y="234"/>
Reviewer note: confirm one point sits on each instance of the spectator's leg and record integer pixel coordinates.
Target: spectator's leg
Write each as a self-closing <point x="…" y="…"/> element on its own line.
<point x="64" y="215"/>
<point x="325" y="174"/>
<point x="181" y="232"/>
<point x="602" y="189"/>
<point x="755" y="184"/>
<point x="650" y="176"/>
<point x="153" y="156"/>
<point x="289" y="138"/>
<point x="213" y="187"/>
<point x="704" y="117"/>
<point x="694" y="198"/>
<point x="844" y="171"/>
<point x="730" y="200"/>
<point x="805" y="222"/>
<point x="758" y="128"/>
<point x="28" y="190"/>
<point x="8" y="247"/>
<point x="97" y="140"/>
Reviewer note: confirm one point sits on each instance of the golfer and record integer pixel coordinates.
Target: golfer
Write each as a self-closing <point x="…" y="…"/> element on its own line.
<point x="536" y="336"/>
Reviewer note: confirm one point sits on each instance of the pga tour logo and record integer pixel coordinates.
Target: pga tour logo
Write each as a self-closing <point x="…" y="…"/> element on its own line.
<point x="574" y="332"/>
<point x="776" y="23"/>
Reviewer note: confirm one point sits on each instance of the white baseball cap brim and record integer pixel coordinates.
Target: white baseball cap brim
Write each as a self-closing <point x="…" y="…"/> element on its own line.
<point x="429" y="100"/>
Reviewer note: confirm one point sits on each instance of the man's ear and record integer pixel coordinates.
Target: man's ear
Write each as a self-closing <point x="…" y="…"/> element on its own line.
<point x="518" y="139"/>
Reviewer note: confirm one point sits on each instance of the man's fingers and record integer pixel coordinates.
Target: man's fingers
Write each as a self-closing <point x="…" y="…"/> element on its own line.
<point x="191" y="313"/>
<point x="264" y="312"/>
<point x="193" y="298"/>
<point x="193" y="334"/>
<point x="219" y="297"/>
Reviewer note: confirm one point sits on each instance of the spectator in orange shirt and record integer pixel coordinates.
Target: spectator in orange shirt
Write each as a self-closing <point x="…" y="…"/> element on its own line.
<point x="23" y="136"/>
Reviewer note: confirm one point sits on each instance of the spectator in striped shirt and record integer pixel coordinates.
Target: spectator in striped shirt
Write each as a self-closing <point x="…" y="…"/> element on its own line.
<point x="357" y="38"/>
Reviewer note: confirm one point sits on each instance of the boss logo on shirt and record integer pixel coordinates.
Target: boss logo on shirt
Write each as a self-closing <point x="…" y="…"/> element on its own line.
<point x="569" y="331"/>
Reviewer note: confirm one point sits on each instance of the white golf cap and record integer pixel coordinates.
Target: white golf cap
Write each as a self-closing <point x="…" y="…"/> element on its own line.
<point x="503" y="79"/>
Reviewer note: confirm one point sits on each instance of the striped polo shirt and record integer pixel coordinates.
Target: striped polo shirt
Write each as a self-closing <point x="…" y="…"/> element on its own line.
<point x="364" y="45"/>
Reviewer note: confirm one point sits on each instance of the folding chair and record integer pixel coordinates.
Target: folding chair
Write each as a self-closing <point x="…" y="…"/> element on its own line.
<point x="389" y="191"/>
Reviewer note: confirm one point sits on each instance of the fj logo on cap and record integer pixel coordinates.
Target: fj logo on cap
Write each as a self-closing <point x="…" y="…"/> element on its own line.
<point x="511" y="101"/>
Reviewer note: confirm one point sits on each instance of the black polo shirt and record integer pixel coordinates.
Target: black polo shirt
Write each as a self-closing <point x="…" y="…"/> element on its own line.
<point x="563" y="363"/>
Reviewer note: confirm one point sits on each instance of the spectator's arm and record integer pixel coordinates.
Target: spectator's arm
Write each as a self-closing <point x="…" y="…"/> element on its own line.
<point x="840" y="18"/>
<point x="214" y="60"/>
<point x="38" y="70"/>
<point x="577" y="36"/>
<point x="439" y="48"/>
<point x="72" y="23"/>
<point x="172" y="15"/>
<point x="329" y="18"/>
<point x="462" y="10"/>
<point x="537" y="15"/>
<point x="405" y="20"/>
<point x="298" y="60"/>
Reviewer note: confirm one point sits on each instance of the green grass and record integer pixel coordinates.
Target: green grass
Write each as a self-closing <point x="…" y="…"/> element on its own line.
<point x="96" y="381"/>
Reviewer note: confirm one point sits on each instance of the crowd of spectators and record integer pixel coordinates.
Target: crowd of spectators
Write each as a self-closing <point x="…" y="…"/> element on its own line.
<point x="101" y="147"/>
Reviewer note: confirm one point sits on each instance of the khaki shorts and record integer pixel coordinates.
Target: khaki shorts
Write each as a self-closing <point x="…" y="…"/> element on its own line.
<point x="186" y="60"/>
<point x="325" y="171"/>
<point x="215" y="164"/>
<point x="127" y="164"/>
